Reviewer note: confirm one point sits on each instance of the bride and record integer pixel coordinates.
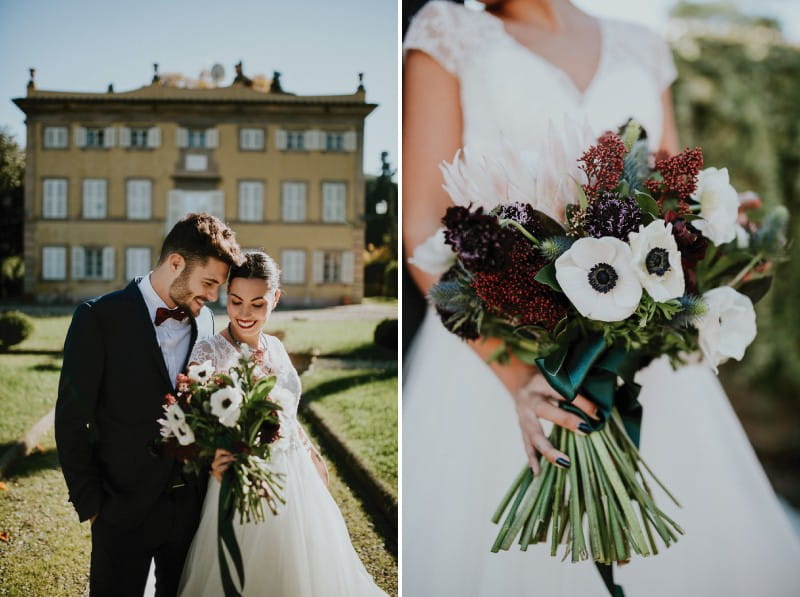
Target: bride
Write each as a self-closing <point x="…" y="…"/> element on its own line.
<point x="490" y="80"/>
<point x="305" y="550"/>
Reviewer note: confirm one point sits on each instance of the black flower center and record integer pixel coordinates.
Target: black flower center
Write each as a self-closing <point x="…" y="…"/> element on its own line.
<point x="226" y="402"/>
<point x="603" y="277"/>
<point x="657" y="261"/>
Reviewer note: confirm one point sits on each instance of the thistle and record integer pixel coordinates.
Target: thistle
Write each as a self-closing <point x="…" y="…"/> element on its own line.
<point x="552" y="248"/>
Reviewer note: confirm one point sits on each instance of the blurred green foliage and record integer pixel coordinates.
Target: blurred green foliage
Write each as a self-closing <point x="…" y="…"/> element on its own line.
<point x="738" y="97"/>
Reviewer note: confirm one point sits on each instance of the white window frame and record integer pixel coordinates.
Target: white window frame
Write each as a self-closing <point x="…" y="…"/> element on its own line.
<point x="93" y="263"/>
<point x="334" y="141"/>
<point x="251" y="139"/>
<point x="95" y="137"/>
<point x="139" y="198"/>
<point x="56" y="137"/>
<point x="293" y="266"/>
<point x="139" y="137"/>
<point x="54" y="263"/>
<point x="94" y="198"/>
<point x="251" y="201"/>
<point x="196" y="138"/>
<point x="296" y="140"/>
<point x="54" y="198"/>
<point x="294" y="201"/>
<point x="334" y="202"/>
<point x="138" y="261"/>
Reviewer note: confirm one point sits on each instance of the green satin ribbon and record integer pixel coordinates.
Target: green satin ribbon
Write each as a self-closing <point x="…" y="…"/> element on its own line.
<point x="226" y="539"/>
<point x="590" y="367"/>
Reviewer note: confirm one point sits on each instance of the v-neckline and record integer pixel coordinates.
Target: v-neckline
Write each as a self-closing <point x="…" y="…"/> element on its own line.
<point x="557" y="70"/>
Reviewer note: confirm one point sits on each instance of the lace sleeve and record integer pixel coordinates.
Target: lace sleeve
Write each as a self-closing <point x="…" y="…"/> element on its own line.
<point x="433" y="31"/>
<point x="203" y="351"/>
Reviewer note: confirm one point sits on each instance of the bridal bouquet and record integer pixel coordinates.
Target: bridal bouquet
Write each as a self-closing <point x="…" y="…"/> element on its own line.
<point x="236" y="410"/>
<point x="590" y="269"/>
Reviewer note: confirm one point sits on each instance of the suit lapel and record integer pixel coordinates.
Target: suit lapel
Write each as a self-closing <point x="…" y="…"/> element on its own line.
<point x="150" y="330"/>
<point x="192" y="340"/>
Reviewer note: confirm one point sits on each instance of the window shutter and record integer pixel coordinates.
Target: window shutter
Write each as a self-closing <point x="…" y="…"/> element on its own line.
<point x="281" y="140"/>
<point x="48" y="203"/>
<point x="78" y="263"/>
<point x="154" y="137"/>
<point x="182" y="137"/>
<point x="212" y="138"/>
<point x="61" y="136"/>
<point x="108" y="263"/>
<point x="175" y="209"/>
<point x="217" y="204"/>
<point x="348" y="263"/>
<point x="124" y="136"/>
<point x="318" y="266"/>
<point x="49" y="136"/>
<point x="80" y="136"/>
<point x="350" y="141"/>
<point x="310" y="140"/>
<point x="109" y="136"/>
<point x="244" y="139"/>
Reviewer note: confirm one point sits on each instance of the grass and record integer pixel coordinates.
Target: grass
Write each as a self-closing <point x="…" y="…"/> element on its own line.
<point x="361" y="406"/>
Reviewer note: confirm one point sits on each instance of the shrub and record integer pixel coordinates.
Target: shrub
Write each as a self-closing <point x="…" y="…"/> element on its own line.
<point x="385" y="334"/>
<point x="14" y="328"/>
<point x="390" y="279"/>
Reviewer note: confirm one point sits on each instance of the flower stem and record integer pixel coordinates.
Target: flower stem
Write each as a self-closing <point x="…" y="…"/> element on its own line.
<point x="521" y="228"/>
<point x="744" y="271"/>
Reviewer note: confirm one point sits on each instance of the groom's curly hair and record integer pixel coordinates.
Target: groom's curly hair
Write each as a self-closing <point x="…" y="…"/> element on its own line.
<point x="197" y="237"/>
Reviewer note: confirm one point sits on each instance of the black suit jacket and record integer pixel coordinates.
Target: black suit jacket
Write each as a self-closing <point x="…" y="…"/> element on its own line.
<point x="110" y="397"/>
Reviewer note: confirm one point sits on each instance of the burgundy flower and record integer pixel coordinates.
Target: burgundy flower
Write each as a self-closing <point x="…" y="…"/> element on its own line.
<point x="603" y="164"/>
<point x="524" y="214"/>
<point x="481" y="243"/>
<point x="513" y="292"/>
<point x="611" y="215"/>
<point x="679" y="173"/>
<point x="468" y="330"/>
<point x="240" y="447"/>
<point x="692" y="246"/>
<point x="173" y="449"/>
<point x="270" y="430"/>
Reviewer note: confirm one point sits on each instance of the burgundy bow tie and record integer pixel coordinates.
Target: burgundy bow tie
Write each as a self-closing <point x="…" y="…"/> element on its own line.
<point x="163" y="314"/>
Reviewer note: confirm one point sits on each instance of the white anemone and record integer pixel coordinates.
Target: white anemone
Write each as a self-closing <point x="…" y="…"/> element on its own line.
<point x="719" y="206"/>
<point x="184" y="434"/>
<point x="225" y="405"/>
<point x="728" y="326"/>
<point x="200" y="373"/>
<point x="597" y="275"/>
<point x="434" y="256"/>
<point x="174" y="425"/>
<point x="657" y="261"/>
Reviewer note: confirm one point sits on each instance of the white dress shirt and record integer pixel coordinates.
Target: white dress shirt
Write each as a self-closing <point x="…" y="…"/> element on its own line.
<point x="173" y="335"/>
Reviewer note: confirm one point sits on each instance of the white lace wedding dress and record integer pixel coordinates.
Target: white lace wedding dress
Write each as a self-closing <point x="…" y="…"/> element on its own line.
<point x="305" y="550"/>
<point x="461" y="441"/>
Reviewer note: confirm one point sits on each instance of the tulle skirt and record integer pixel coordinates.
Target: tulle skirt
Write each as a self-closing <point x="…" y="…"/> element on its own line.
<point x="462" y="448"/>
<point x="304" y="551"/>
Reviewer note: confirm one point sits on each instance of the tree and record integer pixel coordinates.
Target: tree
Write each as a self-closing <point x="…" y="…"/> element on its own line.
<point x="12" y="177"/>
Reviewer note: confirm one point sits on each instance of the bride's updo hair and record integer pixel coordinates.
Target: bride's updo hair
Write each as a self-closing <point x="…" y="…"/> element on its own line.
<point x="257" y="264"/>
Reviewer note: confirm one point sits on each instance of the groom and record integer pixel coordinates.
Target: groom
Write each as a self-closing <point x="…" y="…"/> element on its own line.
<point x="122" y="354"/>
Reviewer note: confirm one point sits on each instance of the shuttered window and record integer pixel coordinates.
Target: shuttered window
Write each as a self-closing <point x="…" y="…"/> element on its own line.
<point x="293" y="202"/>
<point x="251" y="201"/>
<point x="139" y="198"/>
<point x="333" y="201"/>
<point x="54" y="198"/>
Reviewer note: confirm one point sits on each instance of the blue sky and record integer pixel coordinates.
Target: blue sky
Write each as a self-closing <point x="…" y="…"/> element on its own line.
<point x="318" y="46"/>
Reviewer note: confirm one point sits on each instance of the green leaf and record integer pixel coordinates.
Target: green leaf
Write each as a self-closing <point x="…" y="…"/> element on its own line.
<point x="551" y="227"/>
<point x="547" y="276"/>
<point x="756" y="289"/>
<point x="263" y="387"/>
<point x="647" y="204"/>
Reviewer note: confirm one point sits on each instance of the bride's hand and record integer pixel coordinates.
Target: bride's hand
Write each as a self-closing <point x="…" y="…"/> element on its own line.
<point x="222" y="460"/>
<point x="537" y="400"/>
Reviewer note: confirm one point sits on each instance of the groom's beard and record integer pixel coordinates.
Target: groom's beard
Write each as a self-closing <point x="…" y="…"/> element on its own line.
<point x="181" y="294"/>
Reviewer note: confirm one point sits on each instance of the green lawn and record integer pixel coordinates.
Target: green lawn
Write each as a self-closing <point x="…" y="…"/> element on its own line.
<point x="361" y="407"/>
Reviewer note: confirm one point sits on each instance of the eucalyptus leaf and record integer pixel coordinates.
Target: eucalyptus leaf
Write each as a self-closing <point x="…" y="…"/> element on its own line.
<point x="547" y="276"/>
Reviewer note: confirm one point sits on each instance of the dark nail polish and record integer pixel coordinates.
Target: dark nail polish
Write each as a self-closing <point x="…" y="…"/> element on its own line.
<point x="562" y="462"/>
<point x="585" y="427"/>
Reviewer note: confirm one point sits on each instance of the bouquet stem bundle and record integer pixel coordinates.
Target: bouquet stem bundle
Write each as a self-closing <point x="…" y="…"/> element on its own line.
<point x="605" y="485"/>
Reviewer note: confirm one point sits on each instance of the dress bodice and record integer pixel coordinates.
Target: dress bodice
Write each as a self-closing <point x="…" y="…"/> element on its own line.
<point x="509" y="93"/>
<point x="223" y="355"/>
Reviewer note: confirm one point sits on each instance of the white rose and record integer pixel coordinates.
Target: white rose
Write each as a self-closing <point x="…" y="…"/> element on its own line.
<point x="597" y="275"/>
<point x="657" y="260"/>
<point x="719" y="206"/>
<point x="728" y="327"/>
<point x="434" y="256"/>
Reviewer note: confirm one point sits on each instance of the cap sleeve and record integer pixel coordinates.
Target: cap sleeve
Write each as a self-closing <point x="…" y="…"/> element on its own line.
<point x="666" y="72"/>
<point x="433" y="30"/>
